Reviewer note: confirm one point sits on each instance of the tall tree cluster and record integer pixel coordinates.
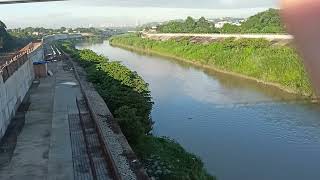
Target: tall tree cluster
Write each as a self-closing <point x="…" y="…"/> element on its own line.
<point x="265" y="22"/>
<point x="3" y="34"/>
<point x="190" y="25"/>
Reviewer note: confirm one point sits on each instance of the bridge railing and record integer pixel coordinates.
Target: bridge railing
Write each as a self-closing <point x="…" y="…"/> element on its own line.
<point x="11" y="63"/>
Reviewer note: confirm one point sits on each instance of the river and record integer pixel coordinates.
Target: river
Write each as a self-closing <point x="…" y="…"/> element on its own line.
<point x="240" y="129"/>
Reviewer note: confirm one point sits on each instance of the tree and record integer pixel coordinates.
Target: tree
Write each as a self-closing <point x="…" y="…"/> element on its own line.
<point x="2" y="25"/>
<point x="230" y="28"/>
<point x="3" y="35"/>
<point x="265" y="22"/>
<point x="190" y="24"/>
<point x="62" y="29"/>
<point x="204" y="26"/>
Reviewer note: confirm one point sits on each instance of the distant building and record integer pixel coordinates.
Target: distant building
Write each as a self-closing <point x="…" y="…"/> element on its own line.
<point x="153" y="29"/>
<point x="220" y="24"/>
<point x="236" y="23"/>
<point x="87" y="34"/>
<point x="36" y="33"/>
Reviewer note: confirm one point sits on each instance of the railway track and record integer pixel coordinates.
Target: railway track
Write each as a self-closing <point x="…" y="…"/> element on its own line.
<point x="90" y="156"/>
<point x="90" y="160"/>
<point x="92" y="138"/>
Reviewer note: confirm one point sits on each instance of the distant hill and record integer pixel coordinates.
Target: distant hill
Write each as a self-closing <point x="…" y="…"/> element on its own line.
<point x="189" y="25"/>
<point x="265" y="22"/>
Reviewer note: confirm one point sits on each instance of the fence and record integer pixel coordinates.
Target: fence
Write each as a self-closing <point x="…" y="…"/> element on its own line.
<point x="9" y="64"/>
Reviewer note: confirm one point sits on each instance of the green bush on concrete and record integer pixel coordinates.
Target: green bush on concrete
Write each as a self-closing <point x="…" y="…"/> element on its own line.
<point x="129" y="99"/>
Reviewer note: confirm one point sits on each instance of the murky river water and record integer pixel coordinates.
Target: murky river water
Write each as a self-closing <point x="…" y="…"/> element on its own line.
<point x="241" y="130"/>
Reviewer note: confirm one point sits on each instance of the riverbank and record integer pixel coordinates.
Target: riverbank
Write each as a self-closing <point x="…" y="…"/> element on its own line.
<point x="128" y="98"/>
<point x="255" y="60"/>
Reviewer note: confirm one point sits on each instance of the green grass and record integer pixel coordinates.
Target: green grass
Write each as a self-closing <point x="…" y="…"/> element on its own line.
<point x="255" y="58"/>
<point x="166" y="159"/>
<point x="128" y="98"/>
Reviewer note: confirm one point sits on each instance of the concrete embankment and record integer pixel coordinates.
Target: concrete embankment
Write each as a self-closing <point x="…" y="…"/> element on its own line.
<point x="116" y="145"/>
<point x="60" y="139"/>
<point x="270" y="37"/>
<point x="208" y="38"/>
<point x="15" y="80"/>
<point x="17" y="74"/>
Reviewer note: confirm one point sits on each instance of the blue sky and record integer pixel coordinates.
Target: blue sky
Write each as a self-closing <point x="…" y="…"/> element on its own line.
<point x="86" y="13"/>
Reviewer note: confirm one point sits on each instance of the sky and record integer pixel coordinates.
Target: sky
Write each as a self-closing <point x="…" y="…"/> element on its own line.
<point x="102" y="13"/>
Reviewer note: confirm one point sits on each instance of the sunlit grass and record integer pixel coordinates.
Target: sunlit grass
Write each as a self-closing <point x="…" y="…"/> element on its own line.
<point x="256" y="58"/>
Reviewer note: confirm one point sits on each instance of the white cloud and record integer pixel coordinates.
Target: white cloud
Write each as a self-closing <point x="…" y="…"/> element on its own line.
<point x="119" y="12"/>
<point x="183" y="3"/>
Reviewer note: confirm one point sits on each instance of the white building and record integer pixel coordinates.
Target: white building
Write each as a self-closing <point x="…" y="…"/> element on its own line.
<point x="221" y="24"/>
<point x="36" y="33"/>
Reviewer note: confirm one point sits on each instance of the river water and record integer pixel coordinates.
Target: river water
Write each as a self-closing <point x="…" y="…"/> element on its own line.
<point x="242" y="130"/>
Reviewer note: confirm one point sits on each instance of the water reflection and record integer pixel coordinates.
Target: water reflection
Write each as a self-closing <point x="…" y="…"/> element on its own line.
<point x="242" y="130"/>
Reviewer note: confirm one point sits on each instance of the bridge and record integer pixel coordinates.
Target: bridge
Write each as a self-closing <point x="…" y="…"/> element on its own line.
<point x="58" y="127"/>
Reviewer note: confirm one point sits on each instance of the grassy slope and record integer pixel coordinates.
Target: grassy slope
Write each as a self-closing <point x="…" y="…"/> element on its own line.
<point x="255" y="58"/>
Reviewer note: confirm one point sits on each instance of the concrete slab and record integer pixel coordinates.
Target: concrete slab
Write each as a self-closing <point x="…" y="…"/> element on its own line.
<point x="43" y="149"/>
<point x="30" y="157"/>
<point x="60" y="155"/>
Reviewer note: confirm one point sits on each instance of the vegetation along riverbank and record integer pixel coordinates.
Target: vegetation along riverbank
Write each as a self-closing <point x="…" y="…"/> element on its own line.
<point x="264" y="22"/>
<point x="128" y="98"/>
<point x="256" y="59"/>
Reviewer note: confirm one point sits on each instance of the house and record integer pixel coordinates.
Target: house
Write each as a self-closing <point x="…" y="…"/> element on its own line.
<point x="220" y="24"/>
<point x="36" y="33"/>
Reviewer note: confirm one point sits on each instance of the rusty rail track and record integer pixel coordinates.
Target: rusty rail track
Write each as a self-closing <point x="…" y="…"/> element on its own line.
<point x="116" y="168"/>
<point x="114" y="172"/>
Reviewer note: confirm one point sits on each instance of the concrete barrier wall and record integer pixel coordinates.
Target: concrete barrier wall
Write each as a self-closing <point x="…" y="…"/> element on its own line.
<point x="14" y="89"/>
<point x="37" y="55"/>
<point x="167" y="36"/>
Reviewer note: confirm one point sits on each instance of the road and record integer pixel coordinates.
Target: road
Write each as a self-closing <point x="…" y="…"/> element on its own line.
<point x="216" y="36"/>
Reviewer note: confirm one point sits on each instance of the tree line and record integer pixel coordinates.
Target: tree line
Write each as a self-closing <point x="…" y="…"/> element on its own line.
<point x="190" y="25"/>
<point x="265" y="22"/>
<point x="11" y="41"/>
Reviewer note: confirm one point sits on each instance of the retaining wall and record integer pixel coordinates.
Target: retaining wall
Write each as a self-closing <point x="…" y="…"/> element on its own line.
<point x="14" y="87"/>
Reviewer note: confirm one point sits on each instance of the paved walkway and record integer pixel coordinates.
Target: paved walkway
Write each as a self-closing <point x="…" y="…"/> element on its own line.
<point x="43" y="149"/>
<point x="240" y="36"/>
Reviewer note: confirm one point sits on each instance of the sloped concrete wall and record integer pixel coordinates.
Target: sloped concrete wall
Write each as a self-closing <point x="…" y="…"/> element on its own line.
<point x="14" y="89"/>
<point x="37" y="55"/>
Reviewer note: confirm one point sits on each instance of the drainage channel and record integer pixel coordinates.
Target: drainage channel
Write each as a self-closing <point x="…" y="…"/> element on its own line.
<point x="89" y="161"/>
